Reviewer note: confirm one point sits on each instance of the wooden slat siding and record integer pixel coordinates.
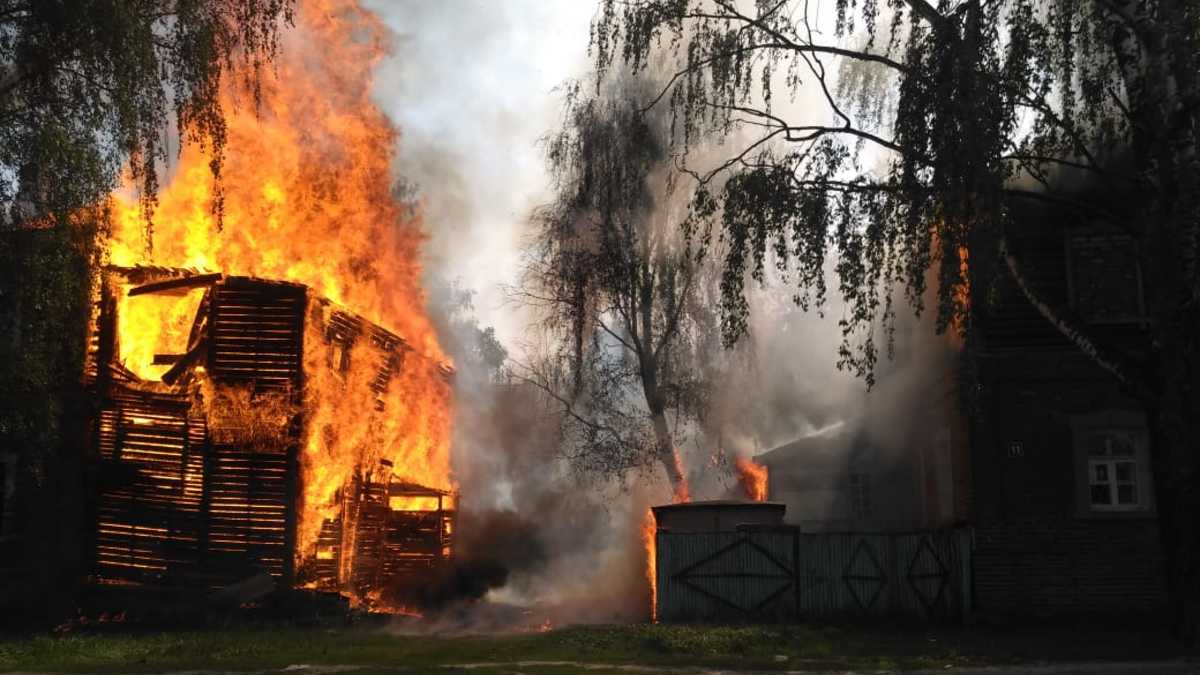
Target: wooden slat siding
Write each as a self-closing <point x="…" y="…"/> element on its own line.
<point x="291" y="487"/>
<point x="148" y="521"/>
<point x="1063" y="566"/>
<point x="784" y="575"/>
<point x="1009" y="322"/>
<point x="256" y="331"/>
<point x="413" y="542"/>
<point x="325" y="570"/>
<point x="390" y="349"/>
<point x="345" y="329"/>
<point x="729" y="576"/>
<point x="368" y="536"/>
<point x="248" y="503"/>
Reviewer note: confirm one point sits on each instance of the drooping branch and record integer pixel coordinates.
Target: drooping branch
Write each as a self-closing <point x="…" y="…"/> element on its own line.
<point x="1072" y="329"/>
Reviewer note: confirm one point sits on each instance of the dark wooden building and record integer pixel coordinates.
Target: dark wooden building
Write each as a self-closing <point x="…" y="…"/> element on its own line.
<point x="1063" y="501"/>
<point x="1045" y="457"/>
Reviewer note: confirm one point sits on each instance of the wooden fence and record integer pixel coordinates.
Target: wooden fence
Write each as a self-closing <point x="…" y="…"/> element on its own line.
<point x="781" y="574"/>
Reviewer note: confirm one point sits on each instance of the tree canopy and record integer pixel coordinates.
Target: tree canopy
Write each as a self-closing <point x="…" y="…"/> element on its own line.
<point x="932" y="119"/>
<point x="86" y="86"/>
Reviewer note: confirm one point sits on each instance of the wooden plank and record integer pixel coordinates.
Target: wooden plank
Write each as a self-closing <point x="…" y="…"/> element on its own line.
<point x="178" y="284"/>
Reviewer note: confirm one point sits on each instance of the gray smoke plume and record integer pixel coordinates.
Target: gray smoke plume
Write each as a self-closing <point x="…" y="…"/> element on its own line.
<point x="470" y="86"/>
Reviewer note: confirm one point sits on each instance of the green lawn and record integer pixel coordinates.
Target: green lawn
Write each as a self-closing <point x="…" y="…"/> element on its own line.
<point x="742" y="647"/>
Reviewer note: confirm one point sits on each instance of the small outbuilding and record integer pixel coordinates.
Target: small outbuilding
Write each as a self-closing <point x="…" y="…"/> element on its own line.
<point x="718" y="515"/>
<point x="732" y="560"/>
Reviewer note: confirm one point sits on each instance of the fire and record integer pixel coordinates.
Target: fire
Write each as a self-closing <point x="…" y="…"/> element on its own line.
<point x="752" y="477"/>
<point x="960" y="293"/>
<point x="962" y="298"/>
<point x="307" y="197"/>
<point x="683" y="492"/>
<point x="648" y="541"/>
<point x="680" y="495"/>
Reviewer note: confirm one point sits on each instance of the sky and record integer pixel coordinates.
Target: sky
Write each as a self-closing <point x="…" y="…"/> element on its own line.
<point x="471" y="86"/>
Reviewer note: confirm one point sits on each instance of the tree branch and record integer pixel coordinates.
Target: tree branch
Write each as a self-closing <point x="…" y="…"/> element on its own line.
<point x="568" y="407"/>
<point x="1073" y="331"/>
<point x="926" y="11"/>
<point x="673" y="320"/>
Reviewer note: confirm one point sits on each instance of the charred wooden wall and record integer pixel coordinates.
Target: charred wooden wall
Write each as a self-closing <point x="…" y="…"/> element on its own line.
<point x="388" y="545"/>
<point x="175" y="505"/>
<point x="191" y="496"/>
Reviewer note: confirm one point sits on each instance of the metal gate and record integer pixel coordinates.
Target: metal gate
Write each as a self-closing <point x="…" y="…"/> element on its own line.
<point x="782" y="574"/>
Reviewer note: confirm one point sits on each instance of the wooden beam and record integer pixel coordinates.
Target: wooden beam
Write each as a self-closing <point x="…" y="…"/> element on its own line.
<point x="182" y="283"/>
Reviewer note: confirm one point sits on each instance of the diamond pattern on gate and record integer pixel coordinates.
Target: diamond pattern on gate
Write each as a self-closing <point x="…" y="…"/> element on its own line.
<point x="928" y="575"/>
<point x="723" y="576"/>
<point x="863" y="575"/>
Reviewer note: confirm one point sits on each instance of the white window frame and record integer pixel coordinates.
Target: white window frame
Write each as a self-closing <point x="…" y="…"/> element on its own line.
<point x="1113" y="484"/>
<point x="1132" y="425"/>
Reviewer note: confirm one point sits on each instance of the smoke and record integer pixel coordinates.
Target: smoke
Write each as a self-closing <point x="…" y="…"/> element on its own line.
<point x="470" y="85"/>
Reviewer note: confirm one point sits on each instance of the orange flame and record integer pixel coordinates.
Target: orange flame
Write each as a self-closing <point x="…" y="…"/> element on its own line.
<point x="680" y="495"/>
<point x="308" y="197"/>
<point x="752" y="477"/>
<point x="683" y="492"/>
<point x="962" y="298"/>
<point x="649" y="529"/>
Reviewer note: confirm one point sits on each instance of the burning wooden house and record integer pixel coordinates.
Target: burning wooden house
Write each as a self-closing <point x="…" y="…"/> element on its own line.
<point x="245" y="426"/>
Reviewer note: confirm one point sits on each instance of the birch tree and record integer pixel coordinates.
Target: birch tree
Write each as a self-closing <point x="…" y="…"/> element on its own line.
<point x="615" y="282"/>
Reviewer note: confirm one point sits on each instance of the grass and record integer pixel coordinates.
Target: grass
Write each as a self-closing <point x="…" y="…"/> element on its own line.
<point x="388" y="648"/>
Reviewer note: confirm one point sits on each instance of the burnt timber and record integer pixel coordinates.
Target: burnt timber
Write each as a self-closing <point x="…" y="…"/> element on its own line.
<point x="187" y="497"/>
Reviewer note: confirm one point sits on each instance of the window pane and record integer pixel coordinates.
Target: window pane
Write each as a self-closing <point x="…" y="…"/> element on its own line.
<point x="1100" y="473"/>
<point x="1106" y="276"/>
<point x="1112" y="442"/>
<point x="1100" y="494"/>
<point x="1125" y="472"/>
<point x="1127" y="494"/>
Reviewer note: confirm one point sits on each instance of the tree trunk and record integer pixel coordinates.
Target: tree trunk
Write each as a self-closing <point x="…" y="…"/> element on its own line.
<point x="663" y="442"/>
<point x="1177" y="513"/>
<point x="668" y="458"/>
<point x="1175" y="431"/>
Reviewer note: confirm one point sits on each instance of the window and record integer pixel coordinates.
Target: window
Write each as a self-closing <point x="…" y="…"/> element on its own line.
<point x="1112" y="456"/>
<point x="1112" y="471"/>
<point x="1105" y="278"/>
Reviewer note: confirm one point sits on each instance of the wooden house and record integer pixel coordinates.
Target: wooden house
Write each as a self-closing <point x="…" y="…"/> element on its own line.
<point x="197" y="482"/>
<point x="1062" y="498"/>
